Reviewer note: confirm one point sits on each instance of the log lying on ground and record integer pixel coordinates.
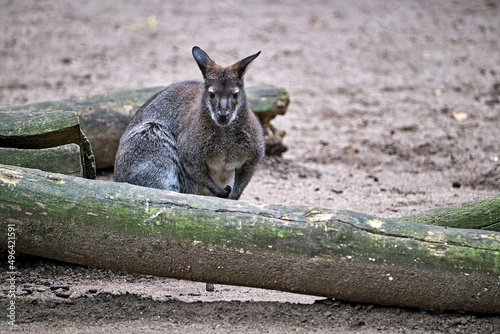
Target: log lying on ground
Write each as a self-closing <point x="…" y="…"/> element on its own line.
<point x="39" y="130"/>
<point x="332" y="253"/>
<point x="51" y="141"/>
<point x="105" y="117"/>
<point x="64" y="159"/>
<point x="267" y="102"/>
<point x="480" y="214"/>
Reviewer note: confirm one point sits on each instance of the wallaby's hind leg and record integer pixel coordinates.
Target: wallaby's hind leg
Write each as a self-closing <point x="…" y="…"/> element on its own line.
<point x="153" y="175"/>
<point x="148" y="157"/>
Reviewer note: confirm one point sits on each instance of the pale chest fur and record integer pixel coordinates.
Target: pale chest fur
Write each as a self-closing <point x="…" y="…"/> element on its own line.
<point x="222" y="170"/>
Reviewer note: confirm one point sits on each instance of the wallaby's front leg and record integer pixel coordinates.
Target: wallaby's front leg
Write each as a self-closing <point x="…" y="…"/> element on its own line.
<point x="241" y="179"/>
<point x="215" y="189"/>
<point x="201" y="176"/>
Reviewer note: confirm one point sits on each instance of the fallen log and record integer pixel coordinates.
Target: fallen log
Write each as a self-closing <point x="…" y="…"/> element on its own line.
<point x="64" y="159"/>
<point x="105" y="117"/>
<point x="39" y="130"/>
<point x="481" y="214"/>
<point x="51" y="141"/>
<point x="332" y="253"/>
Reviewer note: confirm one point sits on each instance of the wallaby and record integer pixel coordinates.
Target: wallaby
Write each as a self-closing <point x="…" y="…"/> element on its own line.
<point x="195" y="137"/>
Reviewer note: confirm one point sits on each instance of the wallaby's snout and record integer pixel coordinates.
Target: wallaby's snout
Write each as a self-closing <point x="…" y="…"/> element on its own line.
<point x="222" y="118"/>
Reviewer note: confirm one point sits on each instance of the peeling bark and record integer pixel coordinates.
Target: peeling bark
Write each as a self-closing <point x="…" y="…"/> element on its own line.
<point x="332" y="253"/>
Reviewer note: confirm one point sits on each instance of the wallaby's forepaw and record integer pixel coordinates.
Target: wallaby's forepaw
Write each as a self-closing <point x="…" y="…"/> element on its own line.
<point x="227" y="189"/>
<point x="224" y="193"/>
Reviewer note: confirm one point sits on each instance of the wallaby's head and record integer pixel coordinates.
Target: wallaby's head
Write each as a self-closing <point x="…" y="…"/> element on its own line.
<point x="224" y="94"/>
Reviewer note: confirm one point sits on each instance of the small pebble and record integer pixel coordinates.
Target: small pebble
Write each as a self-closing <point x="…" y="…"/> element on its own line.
<point x="63" y="294"/>
<point x="492" y="100"/>
<point x="93" y="290"/>
<point x="59" y="286"/>
<point x="326" y="301"/>
<point x="210" y="287"/>
<point x="456" y="184"/>
<point x="29" y="290"/>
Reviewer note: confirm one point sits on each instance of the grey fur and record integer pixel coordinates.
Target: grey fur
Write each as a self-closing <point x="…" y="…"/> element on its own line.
<point x="194" y="137"/>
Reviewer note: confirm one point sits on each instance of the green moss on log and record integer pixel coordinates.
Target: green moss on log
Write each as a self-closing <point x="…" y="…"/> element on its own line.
<point x="64" y="159"/>
<point x="39" y="130"/>
<point x="481" y="214"/>
<point x="54" y="133"/>
<point x="268" y="99"/>
<point x="333" y="253"/>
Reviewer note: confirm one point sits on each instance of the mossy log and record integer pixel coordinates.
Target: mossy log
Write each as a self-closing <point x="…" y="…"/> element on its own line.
<point x="64" y="159"/>
<point x="324" y="252"/>
<point x="51" y="141"/>
<point x="37" y="130"/>
<point x="481" y="214"/>
<point x="104" y="117"/>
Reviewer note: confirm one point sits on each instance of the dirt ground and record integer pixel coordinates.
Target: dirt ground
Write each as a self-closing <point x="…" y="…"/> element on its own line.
<point x="394" y="110"/>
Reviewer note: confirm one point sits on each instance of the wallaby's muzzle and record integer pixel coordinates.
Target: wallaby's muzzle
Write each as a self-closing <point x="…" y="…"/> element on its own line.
<point x="222" y="118"/>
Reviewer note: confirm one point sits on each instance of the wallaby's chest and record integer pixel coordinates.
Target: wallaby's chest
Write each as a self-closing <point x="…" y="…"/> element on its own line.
<point x="221" y="168"/>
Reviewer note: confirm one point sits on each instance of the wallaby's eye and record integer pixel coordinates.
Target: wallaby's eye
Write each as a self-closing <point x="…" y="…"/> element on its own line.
<point x="235" y="95"/>
<point x="211" y="95"/>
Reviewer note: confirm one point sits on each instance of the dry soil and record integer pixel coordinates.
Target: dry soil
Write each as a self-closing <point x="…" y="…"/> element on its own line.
<point x="394" y="109"/>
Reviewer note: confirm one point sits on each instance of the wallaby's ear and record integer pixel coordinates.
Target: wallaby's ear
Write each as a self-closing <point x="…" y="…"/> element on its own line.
<point x="240" y="67"/>
<point x="205" y="64"/>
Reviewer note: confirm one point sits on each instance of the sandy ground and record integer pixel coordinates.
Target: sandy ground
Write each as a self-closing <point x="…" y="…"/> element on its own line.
<point x="394" y="110"/>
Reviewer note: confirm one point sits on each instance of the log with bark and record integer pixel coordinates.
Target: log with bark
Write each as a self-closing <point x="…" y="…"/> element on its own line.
<point x="324" y="252"/>
<point x="104" y="117"/>
<point x="64" y="159"/>
<point x="51" y="141"/>
<point x="481" y="214"/>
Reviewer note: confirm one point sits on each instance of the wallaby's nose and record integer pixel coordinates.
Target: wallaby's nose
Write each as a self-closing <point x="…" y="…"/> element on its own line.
<point x="222" y="117"/>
